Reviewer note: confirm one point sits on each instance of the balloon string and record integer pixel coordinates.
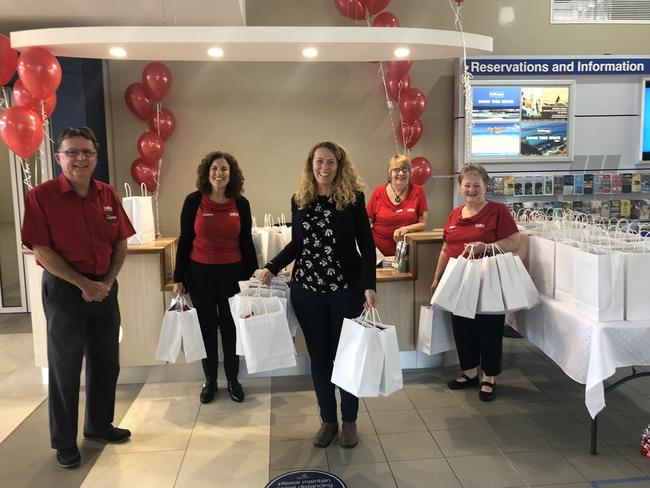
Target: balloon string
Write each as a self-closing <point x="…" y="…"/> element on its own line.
<point x="27" y="172"/>
<point x="389" y="105"/>
<point x="465" y="78"/>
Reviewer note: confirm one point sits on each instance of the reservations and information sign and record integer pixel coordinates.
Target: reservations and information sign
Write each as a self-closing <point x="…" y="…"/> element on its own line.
<point x="584" y="66"/>
<point x="307" y="478"/>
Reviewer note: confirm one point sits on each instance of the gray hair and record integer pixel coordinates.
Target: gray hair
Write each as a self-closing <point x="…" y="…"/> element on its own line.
<point x="475" y="170"/>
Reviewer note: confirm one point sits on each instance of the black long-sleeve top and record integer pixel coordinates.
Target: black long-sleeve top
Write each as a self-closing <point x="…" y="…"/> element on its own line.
<point x="186" y="239"/>
<point x="351" y="228"/>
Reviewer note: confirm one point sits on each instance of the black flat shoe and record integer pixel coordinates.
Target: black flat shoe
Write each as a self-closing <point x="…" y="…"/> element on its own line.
<point x="112" y="435"/>
<point x="69" y="457"/>
<point x="488" y="396"/>
<point x="208" y="391"/>
<point x="236" y="391"/>
<point x="459" y="385"/>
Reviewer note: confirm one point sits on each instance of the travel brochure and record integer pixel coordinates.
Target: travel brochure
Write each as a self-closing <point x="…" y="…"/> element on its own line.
<point x="569" y="184"/>
<point x="620" y="209"/>
<point x="519" y="121"/>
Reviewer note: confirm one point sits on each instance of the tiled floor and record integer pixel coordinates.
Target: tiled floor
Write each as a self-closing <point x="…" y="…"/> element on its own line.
<point x="535" y="434"/>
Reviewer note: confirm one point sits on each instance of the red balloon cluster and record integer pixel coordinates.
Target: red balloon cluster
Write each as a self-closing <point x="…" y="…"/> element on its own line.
<point x="412" y="102"/>
<point x="143" y="99"/>
<point x="34" y="96"/>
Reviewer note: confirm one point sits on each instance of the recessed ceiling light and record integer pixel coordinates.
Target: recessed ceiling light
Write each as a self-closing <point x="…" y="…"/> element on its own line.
<point x="118" y="52"/>
<point x="310" y="52"/>
<point x="401" y="52"/>
<point x="215" y="52"/>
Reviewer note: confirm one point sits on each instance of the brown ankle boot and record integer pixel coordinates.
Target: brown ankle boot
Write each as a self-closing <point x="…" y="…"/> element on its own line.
<point x="325" y="434"/>
<point x="349" y="437"/>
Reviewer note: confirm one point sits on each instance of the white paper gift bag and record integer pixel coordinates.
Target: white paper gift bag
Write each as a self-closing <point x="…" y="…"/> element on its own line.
<point x="469" y="291"/>
<point x="490" y="298"/>
<point x="564" y="259"/>
<point x="513" y="296"/>
<point x="541" y="264"/>
<point x="435" y="334"/>
<point x="265" y="337"/>
<point x="140" y="213"/>
<point x="243" y="305"/>
<point x="359" y="359"/>
<point x="527" y="286"/>
<point x="599" y="282"/>
<point x="448" y="289"/>
<point x="637" y="270"/>
<point x="391" y="373"/>
<point x="180" y="328"/>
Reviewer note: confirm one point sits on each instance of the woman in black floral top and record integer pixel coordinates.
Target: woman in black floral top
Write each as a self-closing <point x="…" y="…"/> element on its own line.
<point x="330" y="281"/>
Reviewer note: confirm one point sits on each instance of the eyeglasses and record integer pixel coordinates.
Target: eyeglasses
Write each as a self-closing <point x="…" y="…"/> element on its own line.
<point x="74" y="153"/>
<point x="396" y="171"/>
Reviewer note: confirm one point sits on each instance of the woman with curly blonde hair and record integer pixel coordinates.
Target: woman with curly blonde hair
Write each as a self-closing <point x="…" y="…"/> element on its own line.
<point x="330" y="280"/>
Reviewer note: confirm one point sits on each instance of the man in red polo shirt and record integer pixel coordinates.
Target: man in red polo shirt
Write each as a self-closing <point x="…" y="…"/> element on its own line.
<point x="77" y="229"/>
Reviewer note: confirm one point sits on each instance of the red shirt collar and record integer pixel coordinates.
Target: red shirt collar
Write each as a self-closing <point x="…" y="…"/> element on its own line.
<point x="65" y="186"/>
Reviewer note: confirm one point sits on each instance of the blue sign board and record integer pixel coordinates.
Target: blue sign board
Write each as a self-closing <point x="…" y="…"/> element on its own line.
<point x="549" y="67"/>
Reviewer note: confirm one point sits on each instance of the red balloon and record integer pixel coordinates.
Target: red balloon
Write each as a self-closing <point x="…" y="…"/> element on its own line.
<point x="23" y="98"/>
<point x="137" y="100"/>
<point x="385" y="19"/>
<point x="141" y="172"/>
<point x="375" y="6"/>
<point x="412" y="104"/>
<point x="352" y="9"/>
<point x="410" y="132"/>
<point x="397" y="69"/>
<point x="21" y="129"/>
<point x="39" y="71"/>
<point x="421" y="170"/>
<point x="395" y="87"/>
<point x="151" y="147"/>
<point x="8" y="60"/>
<point x="157" y="80"/>
<point x="162" y="123"/>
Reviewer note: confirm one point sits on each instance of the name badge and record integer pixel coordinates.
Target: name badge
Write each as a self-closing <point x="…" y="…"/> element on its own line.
<point x="234" y="214"/>
<point x="205" y="214"/>
<point x="410" y="210"/>
<point x="479" y="226"/>
<point x="111" y="218"/>
<point x="399" y="210"/>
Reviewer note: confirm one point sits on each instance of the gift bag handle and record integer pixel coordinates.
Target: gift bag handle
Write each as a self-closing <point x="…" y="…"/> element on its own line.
<point x="143" y="190"/>
<point x="127" y="190"/>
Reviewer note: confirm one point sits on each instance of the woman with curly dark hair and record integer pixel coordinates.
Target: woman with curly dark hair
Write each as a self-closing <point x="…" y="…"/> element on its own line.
<point x="215" y="251"/>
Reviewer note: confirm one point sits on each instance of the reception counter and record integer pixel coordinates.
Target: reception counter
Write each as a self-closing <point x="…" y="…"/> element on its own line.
<point x="145" y="289"/>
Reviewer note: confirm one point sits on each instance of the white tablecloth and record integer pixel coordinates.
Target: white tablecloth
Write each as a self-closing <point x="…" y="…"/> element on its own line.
<point x="588" y="352"/>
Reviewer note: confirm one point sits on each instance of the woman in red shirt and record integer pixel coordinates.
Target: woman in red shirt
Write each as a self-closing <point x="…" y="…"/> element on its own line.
<point x="397" y="207"/>
<point x="478" y="222"/>
<point x="215" y="251"/>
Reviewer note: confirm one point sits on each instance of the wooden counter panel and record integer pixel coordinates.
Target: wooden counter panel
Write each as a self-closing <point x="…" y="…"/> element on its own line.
<point x="142" y="308"/>
<point x="396" y="308"/>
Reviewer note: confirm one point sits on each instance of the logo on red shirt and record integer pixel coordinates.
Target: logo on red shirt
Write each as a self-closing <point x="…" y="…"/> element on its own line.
<point x="234" y="214"/>
<point x="205" y="214"/>
<point x="410" y="210"/>
<point x="479" y="226"/>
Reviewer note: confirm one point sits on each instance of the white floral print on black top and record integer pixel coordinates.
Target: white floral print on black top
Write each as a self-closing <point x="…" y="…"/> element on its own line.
<point x="316" y="268"/>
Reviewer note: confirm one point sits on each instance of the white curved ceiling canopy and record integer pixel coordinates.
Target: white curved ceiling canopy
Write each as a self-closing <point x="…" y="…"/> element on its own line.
<point x="263" y="43"/>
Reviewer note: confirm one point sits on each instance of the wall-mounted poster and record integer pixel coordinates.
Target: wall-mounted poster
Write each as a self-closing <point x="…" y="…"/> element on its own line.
<point x="521" y="121"/>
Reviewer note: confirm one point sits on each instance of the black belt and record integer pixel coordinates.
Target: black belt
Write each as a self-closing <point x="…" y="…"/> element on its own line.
<point x="94" y="277"/>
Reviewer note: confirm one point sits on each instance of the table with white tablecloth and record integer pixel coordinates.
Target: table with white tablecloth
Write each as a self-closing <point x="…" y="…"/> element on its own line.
<point x="588" y="352"/>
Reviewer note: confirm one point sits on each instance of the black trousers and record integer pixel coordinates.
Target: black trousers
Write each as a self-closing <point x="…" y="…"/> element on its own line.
<point x="210" y="286"/>
<point x="479" y="342"/>
<point x="76" y="328"/>
<point x="321" y="317"/>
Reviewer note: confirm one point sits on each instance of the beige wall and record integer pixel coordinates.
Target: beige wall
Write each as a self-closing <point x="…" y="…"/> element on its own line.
<point x="269" y="114"/>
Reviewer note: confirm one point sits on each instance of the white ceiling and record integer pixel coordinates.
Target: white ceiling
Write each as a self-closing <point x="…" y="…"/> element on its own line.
<point x="36" y="14"/>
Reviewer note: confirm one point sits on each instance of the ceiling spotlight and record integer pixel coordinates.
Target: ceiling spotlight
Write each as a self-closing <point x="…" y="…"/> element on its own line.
<point x="401" y="52"/>
<point x="310" y="52"/>
<point x="117" y="52"/>
<point x="215" y="52"/>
